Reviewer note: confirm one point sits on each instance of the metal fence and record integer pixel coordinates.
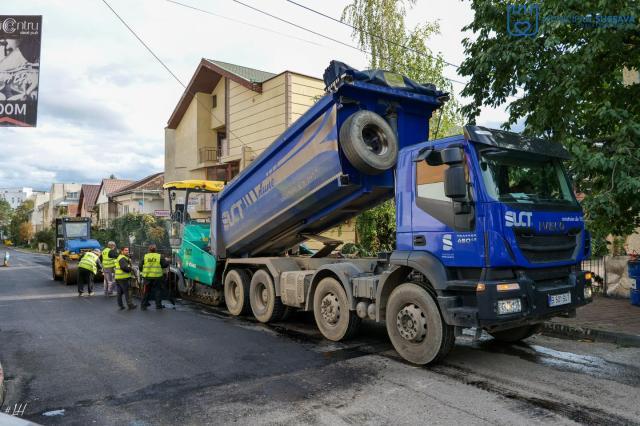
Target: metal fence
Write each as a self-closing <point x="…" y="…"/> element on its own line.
<point x="598" y="267"/>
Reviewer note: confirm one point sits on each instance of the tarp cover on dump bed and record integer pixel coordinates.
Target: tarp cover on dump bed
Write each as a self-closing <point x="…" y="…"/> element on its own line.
<point x="337" y="69"/>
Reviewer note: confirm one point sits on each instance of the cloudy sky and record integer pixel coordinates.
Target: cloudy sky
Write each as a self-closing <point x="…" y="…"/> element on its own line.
<point x="104" y="100"/>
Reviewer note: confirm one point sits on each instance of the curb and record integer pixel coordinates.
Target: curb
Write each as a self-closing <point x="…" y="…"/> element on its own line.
<point x="30" y="252"/>
<point x="575" y="333"/>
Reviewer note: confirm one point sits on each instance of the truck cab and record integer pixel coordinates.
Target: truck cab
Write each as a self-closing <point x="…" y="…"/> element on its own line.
<point x="491" y="218"/>
<point x="73" y="238"/>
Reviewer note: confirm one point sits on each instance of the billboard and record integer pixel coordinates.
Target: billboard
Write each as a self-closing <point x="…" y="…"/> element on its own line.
<point x="20" y="38"/>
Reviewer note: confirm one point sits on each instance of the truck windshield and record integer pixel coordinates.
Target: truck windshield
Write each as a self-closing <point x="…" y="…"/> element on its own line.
<point x="532" y="179"/>
<point x="77" y="230"/>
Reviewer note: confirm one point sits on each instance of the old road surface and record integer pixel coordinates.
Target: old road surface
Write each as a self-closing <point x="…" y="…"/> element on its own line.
<point x="81" y="361"/>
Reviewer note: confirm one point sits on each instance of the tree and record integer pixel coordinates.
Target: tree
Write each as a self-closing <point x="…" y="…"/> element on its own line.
<point x="22" y="214"/>
<point x="572" y="92"/>
<point x="380" y="29"/>
<point x="5" y="215"/>
<point x="25" y="232"/>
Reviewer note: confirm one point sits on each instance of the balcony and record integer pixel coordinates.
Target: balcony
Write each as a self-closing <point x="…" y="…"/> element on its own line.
<point x="207" y="155"/>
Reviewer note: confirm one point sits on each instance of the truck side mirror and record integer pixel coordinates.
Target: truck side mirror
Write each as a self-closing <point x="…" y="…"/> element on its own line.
<point x="452" y="155"/>
<point x="455" y="182"/>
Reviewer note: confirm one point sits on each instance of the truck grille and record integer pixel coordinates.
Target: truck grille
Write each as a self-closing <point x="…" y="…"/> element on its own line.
<point x="538" y="248"/>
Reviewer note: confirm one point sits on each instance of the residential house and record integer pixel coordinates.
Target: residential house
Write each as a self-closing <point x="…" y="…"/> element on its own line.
<point x="15" y="196"/>
<point x="40" y="203"/>
<point x="105" y="207"/>
<point x="227" y="116"/>
<point x="143" y="196"/>
<point x="87" y="201"/>
<point x="63" y="201"/>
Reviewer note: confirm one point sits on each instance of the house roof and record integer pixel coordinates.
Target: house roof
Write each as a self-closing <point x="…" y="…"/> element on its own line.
<point x="152" y="182"/>
<point x="250" y="74"/>
<point x="112" y="186"/>
<point x="206" y="78"/>
<point x="88" y="196"/>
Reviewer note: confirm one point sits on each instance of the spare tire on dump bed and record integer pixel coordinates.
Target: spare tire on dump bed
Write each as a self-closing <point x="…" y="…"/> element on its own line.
<point x="369" y="142"/>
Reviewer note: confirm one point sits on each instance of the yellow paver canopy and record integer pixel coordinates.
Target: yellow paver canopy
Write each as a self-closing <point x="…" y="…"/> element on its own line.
<point x="196" y="185"/>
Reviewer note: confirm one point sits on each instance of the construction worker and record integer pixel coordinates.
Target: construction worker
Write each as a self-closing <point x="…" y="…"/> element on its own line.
<point x="151" y="268"/>
<point x="87" y="269"/>
<point x="108" y="265"/>
<point x="123" y="277"/>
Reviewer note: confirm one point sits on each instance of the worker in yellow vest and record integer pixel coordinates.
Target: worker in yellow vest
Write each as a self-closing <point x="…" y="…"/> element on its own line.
<point x="108" y="266"/>
<point x="151" y="270"/>
<point x="87" y="270"/>
<point x="122" y="271"/>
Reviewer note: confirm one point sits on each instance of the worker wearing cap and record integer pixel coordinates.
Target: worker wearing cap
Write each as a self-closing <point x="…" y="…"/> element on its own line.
<point x="122" y="271"/>
<point x="108" y="265"/>
<point x="87" y="270"/>
<point x="151" y="270"/>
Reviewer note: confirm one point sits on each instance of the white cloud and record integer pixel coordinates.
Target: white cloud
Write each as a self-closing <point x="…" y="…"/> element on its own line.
<point x="104" y="100"/>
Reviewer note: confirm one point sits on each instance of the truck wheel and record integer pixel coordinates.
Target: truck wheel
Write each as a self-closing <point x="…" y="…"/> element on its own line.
<point x="369" y="143"/>
<point x="266" y="306"/>
<point x="236" y="291"/>
<point x="513" y="335"/>
<point x="415" y="326"/>
<point x="331" y="311"/>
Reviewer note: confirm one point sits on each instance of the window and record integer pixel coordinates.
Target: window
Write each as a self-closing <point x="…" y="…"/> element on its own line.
<point x="430" y="181"/>
<point x="214" y="101"/>
<point x="431" y="199"/>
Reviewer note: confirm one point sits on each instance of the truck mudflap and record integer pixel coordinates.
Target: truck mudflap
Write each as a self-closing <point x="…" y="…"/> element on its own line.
<point x="500" y="305"/>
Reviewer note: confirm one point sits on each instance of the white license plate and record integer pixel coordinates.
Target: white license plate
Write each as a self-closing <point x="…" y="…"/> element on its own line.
<point x="559" y="299"/>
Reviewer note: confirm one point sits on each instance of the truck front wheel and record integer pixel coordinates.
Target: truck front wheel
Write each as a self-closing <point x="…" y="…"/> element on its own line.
<point x="236" y="291"/>
<point x="415" y="326"/>
<point x="513" y="335"/>
<point x="331" y="311"/>
<point x="265" y="305"/>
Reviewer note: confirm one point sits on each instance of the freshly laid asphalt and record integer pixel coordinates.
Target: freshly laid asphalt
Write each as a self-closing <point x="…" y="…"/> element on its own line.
<point x="82" y="361"/>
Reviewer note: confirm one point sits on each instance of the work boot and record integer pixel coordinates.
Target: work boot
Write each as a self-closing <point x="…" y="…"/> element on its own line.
<point x="132" y="306"/>
<point x="143" y="307"/>
<point x="79" y="294"/>
<point x="90" y="293"/>
<point x="160" y="307"/>
<point x="121" y="308"/>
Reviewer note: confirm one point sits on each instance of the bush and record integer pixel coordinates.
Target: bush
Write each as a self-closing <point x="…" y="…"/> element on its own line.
<point x="46" y="236"/>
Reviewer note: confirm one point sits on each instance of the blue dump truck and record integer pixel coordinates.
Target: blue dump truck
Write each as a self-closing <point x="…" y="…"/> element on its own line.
<point x="489" y="233"/>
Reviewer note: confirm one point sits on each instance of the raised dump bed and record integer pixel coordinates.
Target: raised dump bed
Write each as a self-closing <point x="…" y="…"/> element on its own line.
<point x="334" y="162"/>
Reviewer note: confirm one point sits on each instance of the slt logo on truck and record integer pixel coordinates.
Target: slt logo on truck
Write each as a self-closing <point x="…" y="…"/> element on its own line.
<point x="520" y="219"/>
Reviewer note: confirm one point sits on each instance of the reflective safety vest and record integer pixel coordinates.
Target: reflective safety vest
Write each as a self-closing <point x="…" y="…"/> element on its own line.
<point x="151" y="267"/>
<point x="107" y="262"/>
<point x="120" y="274"/>
<point x="89" y="262"/>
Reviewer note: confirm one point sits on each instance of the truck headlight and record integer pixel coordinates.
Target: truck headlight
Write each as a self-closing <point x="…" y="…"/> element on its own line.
<point x="509" y="306"/>
<point x="588" y="293"/>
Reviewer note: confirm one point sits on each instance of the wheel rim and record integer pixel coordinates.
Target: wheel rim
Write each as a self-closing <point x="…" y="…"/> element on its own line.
<point x="330" y="309"/>
<point x="412" y="323"/>
<point x="375" y="140"/>
<point x="234" y="293"/>
<point x="261" y="297"/>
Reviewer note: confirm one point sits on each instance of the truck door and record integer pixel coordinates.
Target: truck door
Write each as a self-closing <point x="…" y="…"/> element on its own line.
<point x="440" y="225"/>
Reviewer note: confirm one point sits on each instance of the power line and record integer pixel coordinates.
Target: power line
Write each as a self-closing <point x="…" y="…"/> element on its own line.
<point x="371" y="34"/>
<point x="165" y="66"/>
<point x="320" y="34"/>
<point x="208" y="12"/>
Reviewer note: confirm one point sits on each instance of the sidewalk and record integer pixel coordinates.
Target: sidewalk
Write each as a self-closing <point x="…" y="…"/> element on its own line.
<point x="606" y="320"/>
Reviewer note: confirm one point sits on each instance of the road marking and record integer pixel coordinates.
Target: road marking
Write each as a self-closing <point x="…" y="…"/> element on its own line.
<point x="13" y="268"/>
<point x="36" y="297"/>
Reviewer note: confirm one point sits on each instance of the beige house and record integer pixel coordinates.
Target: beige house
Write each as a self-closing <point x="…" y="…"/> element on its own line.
<point x="145" y="196"/>
<point x="40" y="202"/>
<point x="63" y="201"/>
<point x="227" y="116"/>
<point x="105" y="207"/>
